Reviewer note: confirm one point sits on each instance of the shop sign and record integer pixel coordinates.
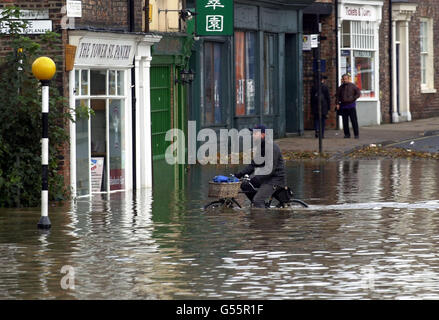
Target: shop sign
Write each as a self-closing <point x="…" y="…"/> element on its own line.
<point x="74" y="9"/>
<point x="310" y="41"/>
<point x="37" y="22"/>
<point x="104" y="52"/>
<point x="362" y="54"/>
<point x="214" y="17"/>
<point x="33" y="27"/>
<point x="42" y="14"/>
<point x="355" y="12"/>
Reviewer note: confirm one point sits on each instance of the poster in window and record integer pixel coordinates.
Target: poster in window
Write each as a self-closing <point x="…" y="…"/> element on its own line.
<point x="97" y="172"/>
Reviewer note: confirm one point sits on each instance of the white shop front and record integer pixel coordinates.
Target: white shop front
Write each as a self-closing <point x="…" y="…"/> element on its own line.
<point x="358" y="53"/>
<point x="105" y="156"/>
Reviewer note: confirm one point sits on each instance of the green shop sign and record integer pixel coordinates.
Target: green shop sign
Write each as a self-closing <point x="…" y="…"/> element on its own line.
<point x="214" y="17"/>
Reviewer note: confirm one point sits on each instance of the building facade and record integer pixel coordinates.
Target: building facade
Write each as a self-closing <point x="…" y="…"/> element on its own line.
<point x="254" y="76"/>
<point x="105" y="71"/>
<point x="387" y="47"/>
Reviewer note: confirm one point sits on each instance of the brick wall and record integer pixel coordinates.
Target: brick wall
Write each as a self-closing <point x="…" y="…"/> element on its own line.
<point x="61" y="82"/>
<point x="328" y="52"/>
<point x="384" y="65"/>
<point x="423" y="105"/>
<point x="104" y="14"/>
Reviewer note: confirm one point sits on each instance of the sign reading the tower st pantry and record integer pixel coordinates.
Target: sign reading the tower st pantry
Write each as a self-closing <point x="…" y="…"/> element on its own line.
<point x="355" y="12"/>
<point x="104" y="52"/>
<point x="214" y="18"/>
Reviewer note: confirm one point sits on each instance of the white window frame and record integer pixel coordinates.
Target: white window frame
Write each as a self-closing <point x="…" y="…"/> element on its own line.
<point x="363" y="37"/>
<point x="426" y="50"/>
<point x="128" y="136"/>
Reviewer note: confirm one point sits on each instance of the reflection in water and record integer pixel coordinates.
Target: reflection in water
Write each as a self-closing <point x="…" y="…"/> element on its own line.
<point x="371" y="232"/>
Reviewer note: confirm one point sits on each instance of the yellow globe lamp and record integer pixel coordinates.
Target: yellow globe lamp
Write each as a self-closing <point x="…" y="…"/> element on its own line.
<point x="43" y="68"/>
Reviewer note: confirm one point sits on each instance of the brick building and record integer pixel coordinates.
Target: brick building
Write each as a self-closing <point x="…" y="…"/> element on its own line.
<point x="388" y="48"/>
<point x="109" y="75"/>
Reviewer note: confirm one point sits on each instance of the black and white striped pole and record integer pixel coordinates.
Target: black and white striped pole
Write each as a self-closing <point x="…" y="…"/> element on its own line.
<point x="44" y="69"/>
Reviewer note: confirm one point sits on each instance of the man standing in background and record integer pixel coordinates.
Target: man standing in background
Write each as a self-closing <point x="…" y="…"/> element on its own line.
<point x="346" y="97"/>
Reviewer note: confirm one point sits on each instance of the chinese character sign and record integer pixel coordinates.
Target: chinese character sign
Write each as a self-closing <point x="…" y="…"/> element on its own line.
<point x="214" y="17"/>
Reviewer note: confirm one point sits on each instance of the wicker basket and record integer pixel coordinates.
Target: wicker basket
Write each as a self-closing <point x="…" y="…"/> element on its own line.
<point x="70" y="57"/>
<point x="224" y="190"/>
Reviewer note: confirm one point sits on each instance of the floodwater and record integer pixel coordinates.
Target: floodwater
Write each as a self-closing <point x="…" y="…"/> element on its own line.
<point x="371" y="232"/>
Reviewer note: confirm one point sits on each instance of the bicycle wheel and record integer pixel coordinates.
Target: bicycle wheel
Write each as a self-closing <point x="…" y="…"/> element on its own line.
<point x="303" y="204"/>
<point x="214" y="204"/>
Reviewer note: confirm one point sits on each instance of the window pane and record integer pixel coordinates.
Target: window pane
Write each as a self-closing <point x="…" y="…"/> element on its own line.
<point x="98" y="79"/>
<point x="76" y="89"/>
<point x="99" y="134"/>
<point x="120" y="83"/>
<point x="117" y="145"/>
<point x="217" y="83"/>
<point x="346" y="34"/>
<point x="212" y="83"/>
<point x="112" y="82"/>
<point x="250" y="63"/>
<point x="424" y="69"/>
<point x="268" y="73"/>
<point x="208" y="84"/>
<point x="364" y="73"/>
<point x="84" y="83"/>
<point x="245" y="72"/>
<point x="82" y="153"/>
<point x="240" y="72"/>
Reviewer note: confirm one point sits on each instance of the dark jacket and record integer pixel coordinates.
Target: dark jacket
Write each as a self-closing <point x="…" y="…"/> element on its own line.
<point x="324" y="98"/>
<point x="277" y="176"/>
<point x="347" y="93"/>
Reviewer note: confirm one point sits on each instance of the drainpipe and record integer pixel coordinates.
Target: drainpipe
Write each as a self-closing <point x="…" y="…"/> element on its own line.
<point x="147" y="16"/>
<point x="133" y="95"/>
<point x="391" y="62"/>
<point x="131" y="15"/>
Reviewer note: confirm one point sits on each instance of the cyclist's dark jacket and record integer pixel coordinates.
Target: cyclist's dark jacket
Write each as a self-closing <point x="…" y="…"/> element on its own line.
<point x="277" y="176"/>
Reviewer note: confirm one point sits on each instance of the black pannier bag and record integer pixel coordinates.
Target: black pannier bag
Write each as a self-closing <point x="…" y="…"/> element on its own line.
<point x="283" y="194"/>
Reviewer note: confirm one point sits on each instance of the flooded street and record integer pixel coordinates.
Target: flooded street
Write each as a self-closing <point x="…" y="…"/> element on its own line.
<point x="371" y="232"/>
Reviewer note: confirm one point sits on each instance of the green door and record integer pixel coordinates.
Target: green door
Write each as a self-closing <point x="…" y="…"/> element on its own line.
<point x="160" y="108"/>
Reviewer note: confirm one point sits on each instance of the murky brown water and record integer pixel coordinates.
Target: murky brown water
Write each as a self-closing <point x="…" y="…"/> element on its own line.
<point x="371" y="232"/>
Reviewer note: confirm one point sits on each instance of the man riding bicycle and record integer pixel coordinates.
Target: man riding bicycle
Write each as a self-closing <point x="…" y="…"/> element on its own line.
<point x="262" y="185"/>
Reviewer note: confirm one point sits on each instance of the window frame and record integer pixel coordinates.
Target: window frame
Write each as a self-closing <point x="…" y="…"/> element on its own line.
<point x="273" y="74"/>
<point x="426" y="55"/>
<point x="362" y="36"/>
<point x="222" y="99"/>
<point x="78" y="95"/>
<point x="256" y="83"/>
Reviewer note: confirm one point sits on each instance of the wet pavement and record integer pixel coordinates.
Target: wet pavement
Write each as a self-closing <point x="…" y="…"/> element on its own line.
<point x="371" y="232"/>
<point x="385" y="134"/>
<point x="424" y="144"/>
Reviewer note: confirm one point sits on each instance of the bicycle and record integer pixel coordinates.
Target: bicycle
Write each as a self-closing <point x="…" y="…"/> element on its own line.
<point x="226" y="193"/>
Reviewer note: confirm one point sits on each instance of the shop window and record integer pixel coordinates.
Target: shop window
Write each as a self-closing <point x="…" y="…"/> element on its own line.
<point x="426" y="42"/>
<point x="245" y="73"/>
<point x="357" y="58"/>
<point x="98" y="80"/>
<point x="212" y="84"/>
<point x="269" y="73"/>
<point x="364" y="72"/>
<point x="82" y="152"/>
<point x="100" y="138"/>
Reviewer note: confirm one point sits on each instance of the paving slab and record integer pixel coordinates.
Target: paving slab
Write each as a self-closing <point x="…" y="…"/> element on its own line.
<point x="335" y="144"/>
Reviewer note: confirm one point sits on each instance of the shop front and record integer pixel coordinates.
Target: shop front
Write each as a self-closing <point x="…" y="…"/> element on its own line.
<point x="358" y="53"/>
<point x="110" y="138"/>
<point x="255" y="75"/>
